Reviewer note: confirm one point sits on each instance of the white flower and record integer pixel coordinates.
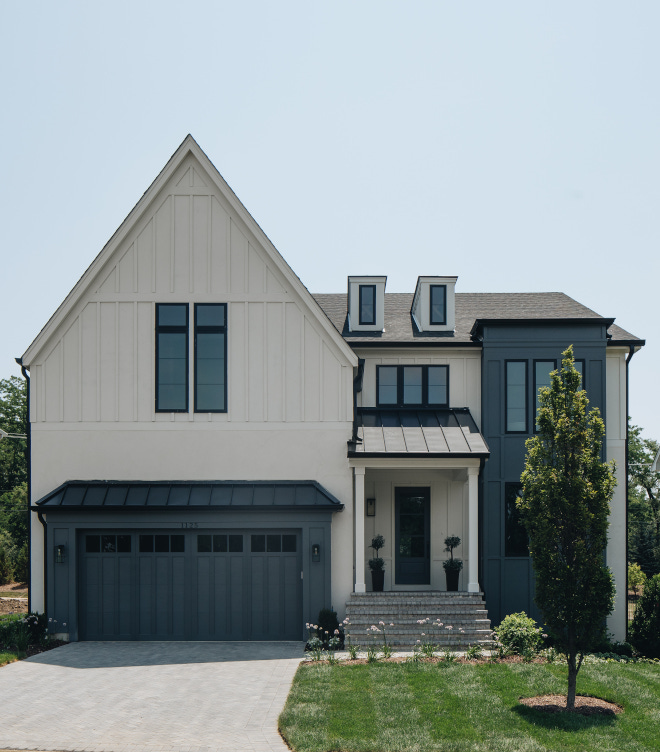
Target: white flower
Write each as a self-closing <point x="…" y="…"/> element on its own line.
<point x="381" y="623"/>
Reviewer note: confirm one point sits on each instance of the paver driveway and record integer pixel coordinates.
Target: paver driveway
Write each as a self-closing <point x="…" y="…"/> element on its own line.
<point x="149" y="696"/>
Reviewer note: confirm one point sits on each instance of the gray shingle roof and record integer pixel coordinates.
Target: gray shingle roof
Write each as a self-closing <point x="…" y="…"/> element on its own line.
<point x="470" y="307"/>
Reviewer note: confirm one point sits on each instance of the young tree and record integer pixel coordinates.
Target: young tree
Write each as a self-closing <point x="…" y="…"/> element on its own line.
<point x="13" y="419"/>
<point x="564" y="506"/>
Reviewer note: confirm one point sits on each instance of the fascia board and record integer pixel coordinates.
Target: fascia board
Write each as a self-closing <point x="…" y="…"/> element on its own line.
<point x="188" y="146"/>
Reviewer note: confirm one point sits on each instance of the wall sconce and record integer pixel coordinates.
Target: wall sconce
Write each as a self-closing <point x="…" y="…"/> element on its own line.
<point x="371" y="507"/>
<point x="316" y="552"/>
<point x="60" y="554"/>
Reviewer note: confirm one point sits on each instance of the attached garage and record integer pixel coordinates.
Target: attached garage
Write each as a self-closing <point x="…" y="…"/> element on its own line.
<point x="187" y="561"/>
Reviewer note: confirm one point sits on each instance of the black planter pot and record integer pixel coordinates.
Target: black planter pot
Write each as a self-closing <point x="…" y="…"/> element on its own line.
<point x="452" y="579"/>
<point x="377" y="580"/>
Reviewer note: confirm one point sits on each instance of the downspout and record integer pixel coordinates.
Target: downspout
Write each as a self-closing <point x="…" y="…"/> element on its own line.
<point x="628" y="359"/>
<point x="26" y="376"/>
<point x="357" y="387"/>
<point x="43" y="522"/>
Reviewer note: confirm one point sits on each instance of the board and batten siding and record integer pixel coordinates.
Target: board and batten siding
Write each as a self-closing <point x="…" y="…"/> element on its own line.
<point x="189" y="247"/>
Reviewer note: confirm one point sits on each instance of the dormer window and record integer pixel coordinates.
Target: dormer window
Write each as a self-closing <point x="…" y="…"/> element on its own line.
<point x="438" y="303"/>
<point x="366" y="304"/>
<point x="433" y="308"/>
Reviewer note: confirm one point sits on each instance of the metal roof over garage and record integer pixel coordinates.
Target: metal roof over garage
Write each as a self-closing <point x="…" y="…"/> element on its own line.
<point x="141" y="495"/>
<point x="417" y="433"/>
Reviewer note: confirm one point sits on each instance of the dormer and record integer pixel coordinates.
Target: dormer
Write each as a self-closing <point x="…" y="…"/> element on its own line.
<point x="366" y="304"/>
<point x="433" y="307"/>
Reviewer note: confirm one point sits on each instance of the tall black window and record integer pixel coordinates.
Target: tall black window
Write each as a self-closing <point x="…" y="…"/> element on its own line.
<point x="413" y="386"/>
<point x="171" y="357"/>
<point x="210" y="357"/>
<point x="438" y="304"/>
<point x="515" y="535"/>
<point x="516" y="396"/>
<point x="367" y="304"/>
<point x="542" y="369"/>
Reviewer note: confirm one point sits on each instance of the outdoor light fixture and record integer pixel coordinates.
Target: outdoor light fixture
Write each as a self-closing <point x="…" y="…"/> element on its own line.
<point x="60" y="554"/>
<point x="371" y="507"/>
<point x="316" y="552"/>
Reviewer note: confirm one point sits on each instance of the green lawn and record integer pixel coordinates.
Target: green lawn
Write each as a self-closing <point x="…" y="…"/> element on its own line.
<point x="459" y="708"/>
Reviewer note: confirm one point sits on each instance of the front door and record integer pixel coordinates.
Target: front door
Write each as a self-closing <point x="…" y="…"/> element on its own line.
<point x="412" y="539"/>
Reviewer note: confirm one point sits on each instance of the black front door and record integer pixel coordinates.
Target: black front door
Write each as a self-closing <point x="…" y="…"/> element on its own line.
<point x="412" y="508"/>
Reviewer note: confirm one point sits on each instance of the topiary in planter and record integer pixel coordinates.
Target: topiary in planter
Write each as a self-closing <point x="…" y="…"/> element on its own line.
<point x="644" y="632"/>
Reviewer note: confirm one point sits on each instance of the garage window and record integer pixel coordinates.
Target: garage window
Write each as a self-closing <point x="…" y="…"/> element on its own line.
<point x="107" y="544"/>
<point x="273" y="544"/>
<point x="162" y="544"/>
<point x="220" y="544"/>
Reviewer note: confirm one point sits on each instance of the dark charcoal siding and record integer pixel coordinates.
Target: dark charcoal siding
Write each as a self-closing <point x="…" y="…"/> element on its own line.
<point x="508" y="581"/>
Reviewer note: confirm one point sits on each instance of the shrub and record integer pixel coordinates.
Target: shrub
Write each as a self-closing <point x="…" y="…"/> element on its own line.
<point x="636" y="578"/>
<point x="644" y="633"/>
<point x="518" y="634"/>
<point x="328" y="625"/>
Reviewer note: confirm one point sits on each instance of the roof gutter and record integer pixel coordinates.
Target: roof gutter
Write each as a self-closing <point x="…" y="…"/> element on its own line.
<point x="28" y="463"/>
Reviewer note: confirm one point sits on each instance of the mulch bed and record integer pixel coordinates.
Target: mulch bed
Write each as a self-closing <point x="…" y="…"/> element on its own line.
<point x="584" y="705"/>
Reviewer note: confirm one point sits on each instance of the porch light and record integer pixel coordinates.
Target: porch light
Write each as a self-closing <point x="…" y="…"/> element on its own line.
<point x="60" y="554"/>
<point x="371" y="507"/>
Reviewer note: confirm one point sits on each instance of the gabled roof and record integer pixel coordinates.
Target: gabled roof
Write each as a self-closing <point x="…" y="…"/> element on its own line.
<point x="471" y="308"/>
<point x="139" y="495"/>
<point x="187" y="147"/>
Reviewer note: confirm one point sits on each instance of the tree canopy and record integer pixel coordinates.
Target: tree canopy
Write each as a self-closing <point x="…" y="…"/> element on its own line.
<point x="566" y="490"/>
<point x="13" y="419"/>
<point x="643" y="502"/>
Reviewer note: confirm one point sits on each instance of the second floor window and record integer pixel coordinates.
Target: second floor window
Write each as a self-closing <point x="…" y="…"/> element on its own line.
<point x="412" y="386"/>
<point x="172" y="357"/>
<point x="438" y="302"/>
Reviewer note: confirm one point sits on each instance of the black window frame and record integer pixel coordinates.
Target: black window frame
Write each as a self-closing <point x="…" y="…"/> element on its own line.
<point x="537" y="387"/>
<point x="363" y="321"/>
<point x="514" y="530"/>
<point x="506" y="396"/>
<point x="583" y="363"/>
<point x="179" y="329"/>
<point x="432" y="321"/>
<point x="400" y="386"/>
<point x="210" y="329"/>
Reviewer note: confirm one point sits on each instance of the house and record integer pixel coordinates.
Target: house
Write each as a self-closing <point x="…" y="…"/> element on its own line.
<point x="213" y="448"/>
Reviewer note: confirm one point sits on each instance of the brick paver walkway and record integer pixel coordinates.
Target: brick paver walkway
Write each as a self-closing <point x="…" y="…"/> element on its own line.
<point x="149" y="697"/>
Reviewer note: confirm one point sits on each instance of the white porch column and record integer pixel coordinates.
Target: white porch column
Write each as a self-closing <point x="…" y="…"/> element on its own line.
<point x="360" y="586"/>
<point x="473" y="530"/>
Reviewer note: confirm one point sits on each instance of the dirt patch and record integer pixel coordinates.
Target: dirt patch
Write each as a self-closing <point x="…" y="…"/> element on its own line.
<point x="14" y="589"/>
<point x="12" y="606"/>
<point x="584" y="705"/>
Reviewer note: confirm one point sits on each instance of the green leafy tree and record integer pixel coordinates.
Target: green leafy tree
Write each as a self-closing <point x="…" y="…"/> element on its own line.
<point x="643" y="502"/>
<point x="14" y="514"/>
<point x="565" y="506"/>
<point x="636" y="578"/>
<point x="13" y="419"/>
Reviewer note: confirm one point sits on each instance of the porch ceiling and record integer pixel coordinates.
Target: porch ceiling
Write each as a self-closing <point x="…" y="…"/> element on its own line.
<point x="417" y="433"/>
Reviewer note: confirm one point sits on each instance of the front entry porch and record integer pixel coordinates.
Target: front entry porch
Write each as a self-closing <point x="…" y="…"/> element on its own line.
<point x="415" y="505"/>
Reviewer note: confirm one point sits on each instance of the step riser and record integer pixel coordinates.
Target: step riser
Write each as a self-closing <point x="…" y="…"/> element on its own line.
<point x="465" y="612"/>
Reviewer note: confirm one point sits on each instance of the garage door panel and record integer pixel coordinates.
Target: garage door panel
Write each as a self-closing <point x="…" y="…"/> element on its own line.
<point x="150" y="586"/>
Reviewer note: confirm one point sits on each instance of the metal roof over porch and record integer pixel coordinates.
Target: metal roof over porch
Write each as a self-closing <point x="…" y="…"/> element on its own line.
<point x="449" y="432"/>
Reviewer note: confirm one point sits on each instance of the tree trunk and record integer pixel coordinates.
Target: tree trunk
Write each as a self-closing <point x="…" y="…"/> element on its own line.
<point x="572" y="680"/>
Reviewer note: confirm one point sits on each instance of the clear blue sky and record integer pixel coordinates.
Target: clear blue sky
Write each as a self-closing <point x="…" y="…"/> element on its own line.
<point x="514" y="144"/>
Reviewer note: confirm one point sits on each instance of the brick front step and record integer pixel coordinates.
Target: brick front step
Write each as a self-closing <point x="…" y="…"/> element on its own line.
<point x="465" y="612"/>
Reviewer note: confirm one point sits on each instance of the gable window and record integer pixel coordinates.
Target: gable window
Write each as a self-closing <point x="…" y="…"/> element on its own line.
<point x="515" y="534"/>
<point x="438" y="303"/>
<point x="516" y="396"/>
<point x="210" y="357"/>
<point x="367" y="304"/>
<point x="172" y="357"/>
<point x="542" y="370"/>
<point x="412" y="386"/>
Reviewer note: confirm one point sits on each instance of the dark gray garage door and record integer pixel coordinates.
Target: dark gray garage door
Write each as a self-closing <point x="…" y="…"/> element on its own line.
<point x="201" y="585"/>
